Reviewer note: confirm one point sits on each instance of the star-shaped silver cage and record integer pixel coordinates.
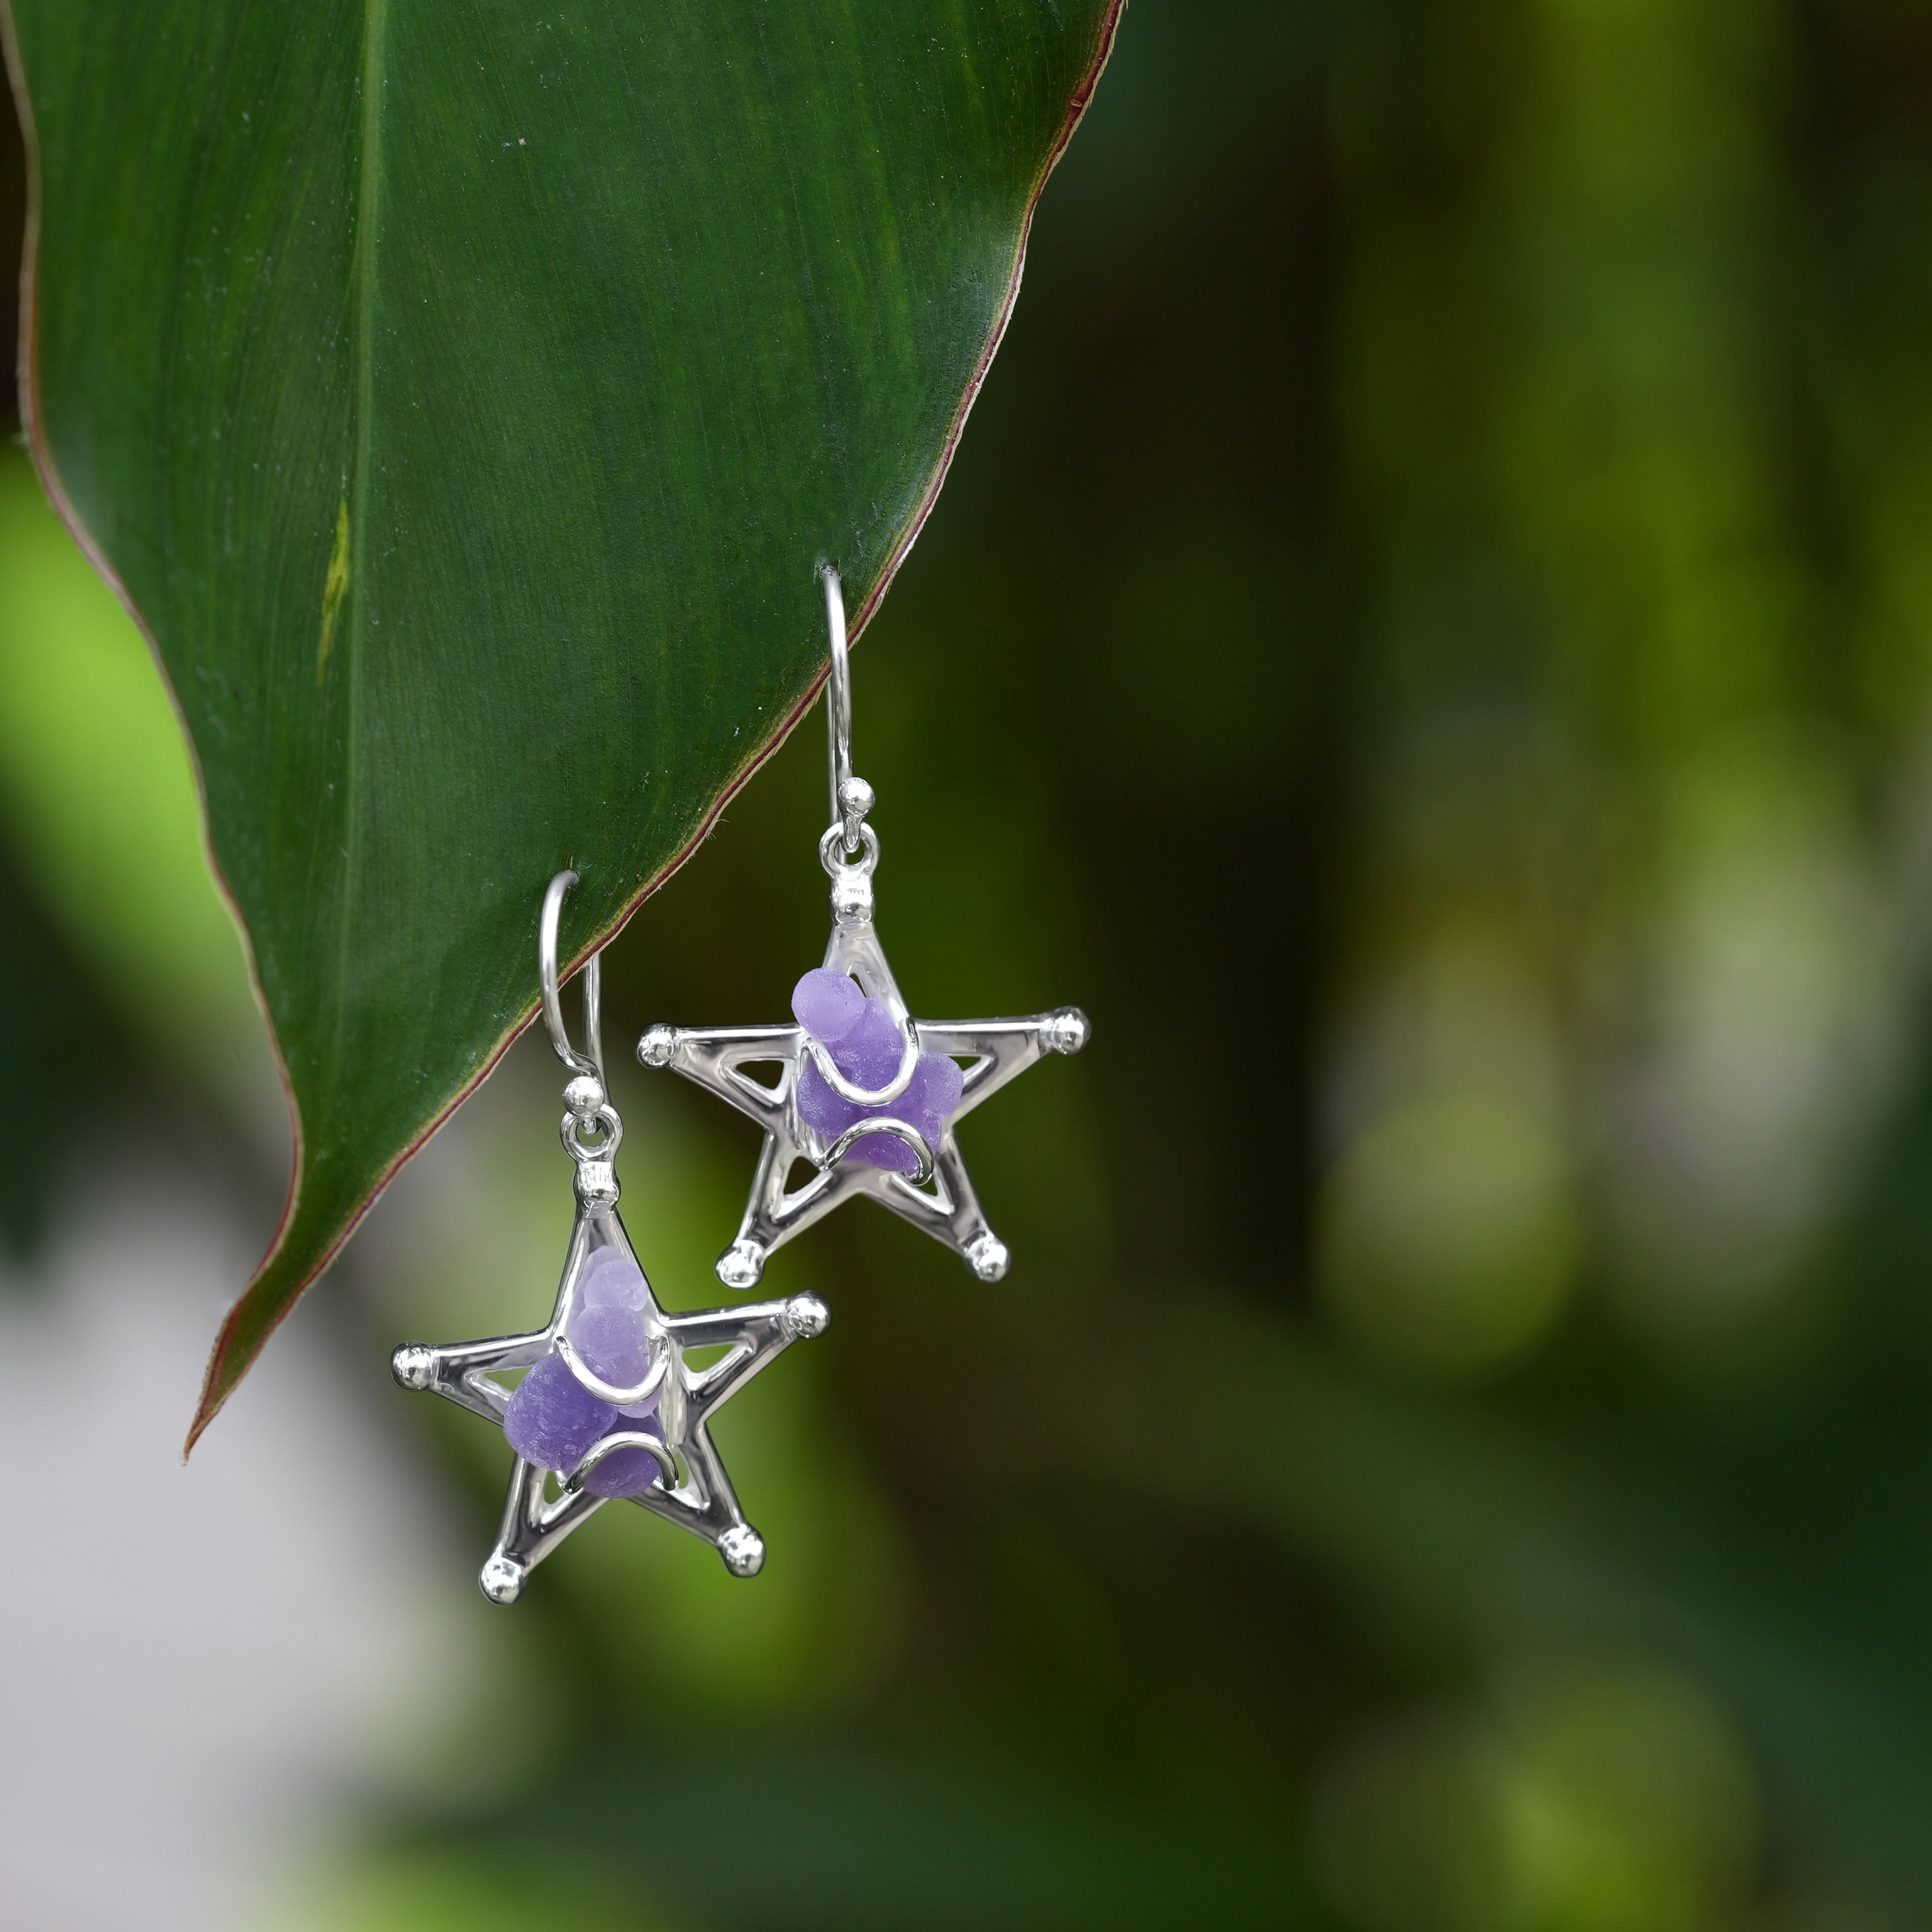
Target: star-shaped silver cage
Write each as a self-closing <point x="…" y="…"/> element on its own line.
<point x="938" y="1197"/>
<point x="945" y="1206"/>
<point x="692" y="1489"/>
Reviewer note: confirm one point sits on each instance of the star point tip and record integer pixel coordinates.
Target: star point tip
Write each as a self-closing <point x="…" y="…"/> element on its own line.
<point x="502" y="1579"/>
<point x="414" y="1365"/>
<point x="741" y="1265"/>
<point x="806" y="1316"/>
<point x="1067" y="1030"/>
<point x="988" y="1258"/>
<point x="743" y="1550"/>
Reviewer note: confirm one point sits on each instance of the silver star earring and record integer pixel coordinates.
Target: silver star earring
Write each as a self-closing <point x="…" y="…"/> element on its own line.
<point x="609" y="1404"/>
<point x="866" y="1094"/>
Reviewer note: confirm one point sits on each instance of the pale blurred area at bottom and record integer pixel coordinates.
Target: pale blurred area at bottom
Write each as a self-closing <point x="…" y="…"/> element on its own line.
<point x="204" y="1662"/>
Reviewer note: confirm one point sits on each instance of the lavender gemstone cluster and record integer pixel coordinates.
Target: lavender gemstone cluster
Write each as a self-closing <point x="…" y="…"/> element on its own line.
<point x="866" y="1046"/>
<point x="554" y="1421"/>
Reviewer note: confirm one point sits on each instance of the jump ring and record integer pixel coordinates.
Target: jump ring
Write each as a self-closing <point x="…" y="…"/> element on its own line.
<point x="829" y="858"/>
<point x="606" y="1117"/>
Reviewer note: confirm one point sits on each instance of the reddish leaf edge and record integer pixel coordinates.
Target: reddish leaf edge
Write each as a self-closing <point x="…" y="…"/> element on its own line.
<point x="246" y="1329"/>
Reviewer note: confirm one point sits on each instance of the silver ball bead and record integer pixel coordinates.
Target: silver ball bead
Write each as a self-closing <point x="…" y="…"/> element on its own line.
<point x="806" y="1316"/>
<point x="1067" y="1031"/>
<point x="659" y="1046"/>
<point x="988" y="1258"/>
<point x="583" y="1096"/>
<point x="413" y="1365"/>
<point x="743" y="1550"/>
<point x="855" y="798"/>
<point x="503" y="1579"/>
<point x="740" y="1265"/>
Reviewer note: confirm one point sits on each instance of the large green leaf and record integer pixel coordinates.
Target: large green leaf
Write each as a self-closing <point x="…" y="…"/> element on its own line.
<point x="464" y="397"/>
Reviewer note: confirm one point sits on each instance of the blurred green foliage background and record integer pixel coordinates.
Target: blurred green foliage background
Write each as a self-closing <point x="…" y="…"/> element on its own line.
<point x="1428" y="640"/>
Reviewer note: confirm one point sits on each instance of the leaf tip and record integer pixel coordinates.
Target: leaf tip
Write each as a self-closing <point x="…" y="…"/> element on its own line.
<point x="217" y="1384"/>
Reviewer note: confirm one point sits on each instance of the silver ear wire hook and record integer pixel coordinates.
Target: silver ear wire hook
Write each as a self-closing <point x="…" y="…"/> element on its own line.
<point x="852" y="797"/>
<point x="592" y="1131"/>
<point x="593" y="987"/>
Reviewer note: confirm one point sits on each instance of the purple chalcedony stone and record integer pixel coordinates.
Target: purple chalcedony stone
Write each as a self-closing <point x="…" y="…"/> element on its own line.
<point x="869" y="1055"/>
<point x="610" y="1279"/>
<point x="830" y="1113"/>
<point x="624" y="1472"/>
<point x="931" y="1093"/>
<point x="627" y="1472"/>
<point x="610" y="1338"/>
<point x="867" y="1046"/>
<point x="827" y="1004"/>
<point x="886" y="1151"/>
<point x="552" y="1419"/>
<point x="929" y="1098"/>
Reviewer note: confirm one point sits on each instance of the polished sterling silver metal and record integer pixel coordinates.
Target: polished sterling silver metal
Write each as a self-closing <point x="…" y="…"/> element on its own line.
<point x="939" y="1197"/>
<point x="694" y="1492"/>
